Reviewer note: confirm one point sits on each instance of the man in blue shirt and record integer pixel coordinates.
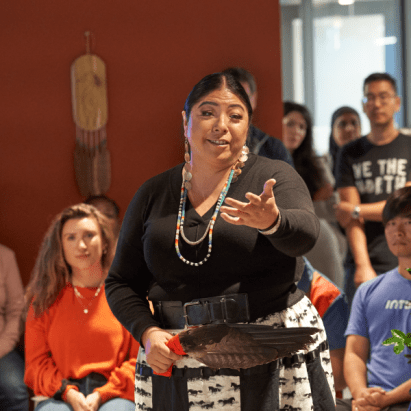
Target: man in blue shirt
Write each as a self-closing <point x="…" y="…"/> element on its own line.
<point x="377" y="377"/>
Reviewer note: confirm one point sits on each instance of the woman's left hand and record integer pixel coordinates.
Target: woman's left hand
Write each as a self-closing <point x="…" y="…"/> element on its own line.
<point x="93" y="400"/>
<point x="260" y="212"/>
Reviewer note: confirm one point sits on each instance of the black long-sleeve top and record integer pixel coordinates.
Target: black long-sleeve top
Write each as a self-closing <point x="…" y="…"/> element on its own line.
<point x="242" y="259"/>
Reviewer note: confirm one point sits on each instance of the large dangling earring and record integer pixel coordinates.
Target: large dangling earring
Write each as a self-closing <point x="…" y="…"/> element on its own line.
<point x="240" y="163"/>
<point x="187" y="176"/>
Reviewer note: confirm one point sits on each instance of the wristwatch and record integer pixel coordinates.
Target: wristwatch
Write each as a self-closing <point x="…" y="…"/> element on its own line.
<point x="356" y="212"/>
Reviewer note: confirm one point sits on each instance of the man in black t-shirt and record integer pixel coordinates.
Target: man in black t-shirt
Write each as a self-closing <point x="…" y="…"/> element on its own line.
<point x="368" y="171"/>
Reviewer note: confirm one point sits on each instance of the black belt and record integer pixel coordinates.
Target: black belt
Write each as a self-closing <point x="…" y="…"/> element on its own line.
<point x="230" y="308"/>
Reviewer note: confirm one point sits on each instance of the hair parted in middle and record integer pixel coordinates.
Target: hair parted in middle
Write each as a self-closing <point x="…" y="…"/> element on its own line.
<point x="51" y="272"/>
<point x="214" y="82"/>
<point x="304" y="157"/>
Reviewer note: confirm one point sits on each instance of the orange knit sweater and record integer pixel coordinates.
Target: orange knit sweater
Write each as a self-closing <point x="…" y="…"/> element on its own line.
<point x="64" y="343"/>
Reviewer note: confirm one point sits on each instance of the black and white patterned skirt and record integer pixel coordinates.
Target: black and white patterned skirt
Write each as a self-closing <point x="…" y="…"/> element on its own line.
<point x="301" y="383"/>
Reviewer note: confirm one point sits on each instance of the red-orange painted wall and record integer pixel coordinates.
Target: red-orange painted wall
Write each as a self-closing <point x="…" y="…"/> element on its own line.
<point x="155" y="51"/>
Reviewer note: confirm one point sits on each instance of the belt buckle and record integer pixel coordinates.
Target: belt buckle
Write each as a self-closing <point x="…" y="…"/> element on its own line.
<point x="223" y="302"/>
<point x="185" y="315"/>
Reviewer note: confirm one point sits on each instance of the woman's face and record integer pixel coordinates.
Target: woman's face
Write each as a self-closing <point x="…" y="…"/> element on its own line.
<point x="294" y="130"/>
<point x="217" y="128"/>
<point x="346" y="128"/>
<point x="82" y="243"/>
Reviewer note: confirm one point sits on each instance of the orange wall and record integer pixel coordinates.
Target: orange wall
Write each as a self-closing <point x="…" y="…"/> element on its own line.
<point x="155" y="51"/>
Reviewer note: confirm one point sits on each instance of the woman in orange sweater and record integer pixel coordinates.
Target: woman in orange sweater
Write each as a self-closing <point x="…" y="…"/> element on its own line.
<point x="77" y="353"/>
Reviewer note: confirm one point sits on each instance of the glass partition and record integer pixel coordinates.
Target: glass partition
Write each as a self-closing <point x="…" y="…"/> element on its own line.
<point x="328" y="50"/>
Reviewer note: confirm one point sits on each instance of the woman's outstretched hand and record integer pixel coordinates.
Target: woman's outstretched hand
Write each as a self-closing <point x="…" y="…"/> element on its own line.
<point x="260" y="212"/>
<point x="159" y="357"/>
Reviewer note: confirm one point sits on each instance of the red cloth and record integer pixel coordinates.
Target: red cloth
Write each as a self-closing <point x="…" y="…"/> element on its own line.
<point x="175" y="346"/>
<point x="323" y="293"/>
<point x="64" y="343"/>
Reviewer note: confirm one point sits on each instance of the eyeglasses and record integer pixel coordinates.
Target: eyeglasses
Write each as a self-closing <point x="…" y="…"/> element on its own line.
<point x="383" y="97"/>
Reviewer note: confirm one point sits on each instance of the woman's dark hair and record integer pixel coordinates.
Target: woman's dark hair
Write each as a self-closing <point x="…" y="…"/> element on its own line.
<point x="333" y="145"/>
<point x="305" y="159"/>
<point x="214" y="82"/>
<point x="398" y="203"/>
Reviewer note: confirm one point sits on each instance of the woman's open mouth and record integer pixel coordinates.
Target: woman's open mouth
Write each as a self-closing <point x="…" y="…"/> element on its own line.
<point x="218" y="142"/>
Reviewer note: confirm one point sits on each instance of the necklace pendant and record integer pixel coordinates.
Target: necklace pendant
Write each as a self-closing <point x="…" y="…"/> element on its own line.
<point x="85" y="311"/>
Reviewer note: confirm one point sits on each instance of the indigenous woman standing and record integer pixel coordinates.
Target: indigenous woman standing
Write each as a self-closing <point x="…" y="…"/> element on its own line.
<point x="77" y="353"/>
<point x="178" y="243"/>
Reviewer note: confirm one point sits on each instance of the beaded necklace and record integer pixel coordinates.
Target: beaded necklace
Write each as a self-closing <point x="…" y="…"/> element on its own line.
<point x="209" y="230"/>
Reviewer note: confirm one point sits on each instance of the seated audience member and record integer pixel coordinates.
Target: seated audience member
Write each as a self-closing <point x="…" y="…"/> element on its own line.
<point x="377" y="377"/>
<point x="13" y="391"/>
<point x="298" y="139"/>
<point x="332" y="306"/>
<point x="257" y="141"/>
<point x="77" y="352"/>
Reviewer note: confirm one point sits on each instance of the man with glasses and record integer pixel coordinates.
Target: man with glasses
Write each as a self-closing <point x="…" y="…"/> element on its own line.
<point x="368" y="171"/>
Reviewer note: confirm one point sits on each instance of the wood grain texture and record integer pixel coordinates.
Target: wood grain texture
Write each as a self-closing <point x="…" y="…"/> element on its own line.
<point x="89" y="92"/>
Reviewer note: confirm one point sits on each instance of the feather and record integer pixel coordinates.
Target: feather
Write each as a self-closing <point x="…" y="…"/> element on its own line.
<point x="238" y="346"/>
<point x="243" y="345"/>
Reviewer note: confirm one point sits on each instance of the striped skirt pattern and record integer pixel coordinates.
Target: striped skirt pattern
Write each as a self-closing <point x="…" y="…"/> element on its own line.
<point x="302" y="382"/>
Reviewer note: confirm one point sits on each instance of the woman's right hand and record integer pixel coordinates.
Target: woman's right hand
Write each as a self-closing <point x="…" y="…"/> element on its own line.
<point x="77" y="400"/>
<point x="158" y="356"/>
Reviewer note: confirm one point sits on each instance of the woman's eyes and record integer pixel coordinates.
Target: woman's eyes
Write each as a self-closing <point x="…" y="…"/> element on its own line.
<point x="86" y="235"/>
<point x="344" y="124"/>
<point x="209" y="113"/>
<point x="292" y="124"/>
<point x="236" y="116"/>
